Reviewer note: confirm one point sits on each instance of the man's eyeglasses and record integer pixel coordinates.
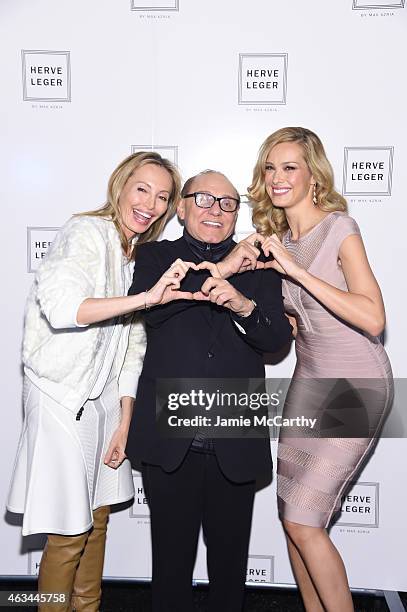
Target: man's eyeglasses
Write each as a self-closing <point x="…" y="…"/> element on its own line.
<point x="207" y="200"/>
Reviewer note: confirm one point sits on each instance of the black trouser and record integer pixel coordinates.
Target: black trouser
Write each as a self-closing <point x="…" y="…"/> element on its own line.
<point x="194" y="494"/>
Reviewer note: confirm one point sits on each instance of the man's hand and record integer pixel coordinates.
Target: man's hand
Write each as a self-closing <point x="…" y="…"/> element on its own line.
<point x="242" y="258"/>
<point x="221" y="292"/>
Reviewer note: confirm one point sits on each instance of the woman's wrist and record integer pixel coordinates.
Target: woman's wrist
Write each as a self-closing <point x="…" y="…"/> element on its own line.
<point x="124" y="426"/>
<point x="138" y="302"/>
<point x="147" y="303"/>
<point x="127" y="404"/>
<point x="301" y="276"/>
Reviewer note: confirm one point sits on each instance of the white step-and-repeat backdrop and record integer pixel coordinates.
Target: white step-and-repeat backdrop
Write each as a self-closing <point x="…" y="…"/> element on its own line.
<point x="86" y="83"/>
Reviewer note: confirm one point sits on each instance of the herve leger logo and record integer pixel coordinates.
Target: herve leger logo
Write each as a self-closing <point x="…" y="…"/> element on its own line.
<point x="368" y="171"/>
<point x="155" y="5"/>
<point x="139" y="509"/>
<point x="46" y="75"/>
<point x="263" y="78"/>
<point x="39" y="239"/>
<point x="168" y="151"/>
<point x="360" y="5"/>
<point x="260" y="568"/>
<point x="360" y="506"/>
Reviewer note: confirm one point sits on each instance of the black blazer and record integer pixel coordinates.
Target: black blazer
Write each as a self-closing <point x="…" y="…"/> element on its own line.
<point x="200" y="340"/>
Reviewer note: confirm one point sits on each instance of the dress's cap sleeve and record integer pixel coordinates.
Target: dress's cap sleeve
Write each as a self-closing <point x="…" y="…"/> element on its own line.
<point x="343" y="227"/>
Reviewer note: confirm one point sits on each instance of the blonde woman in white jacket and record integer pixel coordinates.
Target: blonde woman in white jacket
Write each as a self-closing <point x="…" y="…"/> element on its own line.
<point x="82" y="356"/>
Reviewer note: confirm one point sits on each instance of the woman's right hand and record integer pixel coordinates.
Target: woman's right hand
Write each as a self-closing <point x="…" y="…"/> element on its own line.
<point x="167" y="287"/>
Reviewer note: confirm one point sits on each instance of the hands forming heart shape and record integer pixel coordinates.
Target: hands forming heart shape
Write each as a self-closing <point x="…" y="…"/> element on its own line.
<point x="216" y="289"/>
<point x="244" y="257"/>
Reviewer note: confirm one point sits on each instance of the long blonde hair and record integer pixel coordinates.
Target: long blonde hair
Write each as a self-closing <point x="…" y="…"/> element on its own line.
<point x="269" y="219"/>
<point x="115" y="187"/>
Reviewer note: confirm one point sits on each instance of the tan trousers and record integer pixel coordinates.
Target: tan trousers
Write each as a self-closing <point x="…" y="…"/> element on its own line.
<point x="73" y="565"/>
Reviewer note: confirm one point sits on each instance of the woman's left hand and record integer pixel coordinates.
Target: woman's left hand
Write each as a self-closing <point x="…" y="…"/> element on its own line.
<point x="167" y="288"/>
<point x="283" y="261"/>
<point x="116" y="452"/>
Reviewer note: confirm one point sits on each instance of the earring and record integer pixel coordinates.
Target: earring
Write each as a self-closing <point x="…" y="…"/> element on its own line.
<point x="314" y="196"/>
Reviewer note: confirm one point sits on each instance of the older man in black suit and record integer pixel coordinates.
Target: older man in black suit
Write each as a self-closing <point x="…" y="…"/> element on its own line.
<point x="222" y="332"/>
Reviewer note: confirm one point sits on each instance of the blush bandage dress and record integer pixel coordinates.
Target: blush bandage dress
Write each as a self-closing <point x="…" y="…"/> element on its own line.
<point x="342" y="376"/>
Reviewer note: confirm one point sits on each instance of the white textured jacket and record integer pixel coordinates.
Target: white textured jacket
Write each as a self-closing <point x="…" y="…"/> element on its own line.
<point x="61" y="357"/>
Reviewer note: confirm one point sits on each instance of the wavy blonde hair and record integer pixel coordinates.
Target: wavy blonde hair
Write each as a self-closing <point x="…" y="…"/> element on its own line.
<point x="115" y="187"/>
<point x="269" y="219"/>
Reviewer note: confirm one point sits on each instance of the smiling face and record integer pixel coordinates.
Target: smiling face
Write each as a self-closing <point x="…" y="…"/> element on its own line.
<point x="144" y="198"/>
<point x="210" y="225"/>
<point x="289" y="181"/>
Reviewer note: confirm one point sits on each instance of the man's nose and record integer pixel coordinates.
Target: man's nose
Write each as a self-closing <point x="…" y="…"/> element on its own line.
<point x="216" y="209"/>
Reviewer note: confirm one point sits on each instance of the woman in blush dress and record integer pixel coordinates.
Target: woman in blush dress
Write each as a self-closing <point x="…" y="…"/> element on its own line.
<point x="82" y="356"/>
<point x="334" y="301"/>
